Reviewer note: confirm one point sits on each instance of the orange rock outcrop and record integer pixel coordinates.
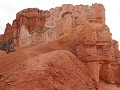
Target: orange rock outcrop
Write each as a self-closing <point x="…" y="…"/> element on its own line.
<point x="32" y="18"/>
<point x="80" y="29"/>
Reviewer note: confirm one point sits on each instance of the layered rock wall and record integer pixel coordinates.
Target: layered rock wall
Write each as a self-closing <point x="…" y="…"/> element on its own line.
<point x="68" y="18"/>
<point x="32" y="18"/>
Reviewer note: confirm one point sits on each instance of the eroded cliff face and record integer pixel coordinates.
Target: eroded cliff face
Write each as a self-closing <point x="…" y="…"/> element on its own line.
<point x="67" y="19"/>
<point x="79" y="29"/>
<point x="32" y="18"/>
<point x="24" y="37"/>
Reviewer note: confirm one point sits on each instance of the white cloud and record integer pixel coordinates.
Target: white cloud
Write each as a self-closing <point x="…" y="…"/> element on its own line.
<point x="9" y="8"/>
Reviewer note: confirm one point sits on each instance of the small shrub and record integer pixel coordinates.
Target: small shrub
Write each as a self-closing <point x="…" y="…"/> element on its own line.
<point x="8" y="45"/>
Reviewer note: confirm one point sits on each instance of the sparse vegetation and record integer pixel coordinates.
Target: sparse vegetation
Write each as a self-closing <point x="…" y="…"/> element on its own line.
<point x="8" y="45"/>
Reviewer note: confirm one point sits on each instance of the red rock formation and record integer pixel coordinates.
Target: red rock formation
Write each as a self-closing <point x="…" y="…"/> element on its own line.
<point x="110" y="70"/>
<point x="79" y="29"/>
<point x="94" y="41"/>
<point x="68" y="18"/>
<point x="8" y="32"/>
<point x="32" y="18"/>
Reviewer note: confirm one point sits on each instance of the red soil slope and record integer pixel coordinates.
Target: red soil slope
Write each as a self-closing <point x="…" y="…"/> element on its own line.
<point x="57" y="70"/>
<point x="8" y="61"/>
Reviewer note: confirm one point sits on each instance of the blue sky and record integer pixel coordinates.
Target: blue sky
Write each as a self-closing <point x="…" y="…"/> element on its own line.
<point x="9" y="8"/>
